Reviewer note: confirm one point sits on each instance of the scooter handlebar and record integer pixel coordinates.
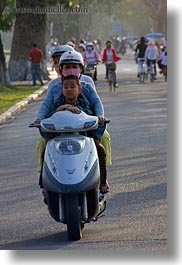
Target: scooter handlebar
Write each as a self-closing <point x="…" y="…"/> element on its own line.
<point x="34" y="125"/>
<point x="107" y="121"/>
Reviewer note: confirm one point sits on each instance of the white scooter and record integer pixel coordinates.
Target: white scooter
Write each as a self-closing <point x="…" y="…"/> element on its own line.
<point x="71" y="171"/>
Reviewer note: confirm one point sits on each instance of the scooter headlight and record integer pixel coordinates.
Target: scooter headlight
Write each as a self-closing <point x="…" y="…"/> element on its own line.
<point x="70" y="147"/>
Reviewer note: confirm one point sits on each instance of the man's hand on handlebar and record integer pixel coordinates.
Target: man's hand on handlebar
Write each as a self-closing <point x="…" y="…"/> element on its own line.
<point x="103" y="120"/>
<point x="37" y="121"/>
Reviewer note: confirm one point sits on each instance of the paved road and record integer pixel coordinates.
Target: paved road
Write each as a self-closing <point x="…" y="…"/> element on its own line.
<point x="136" y="217"/>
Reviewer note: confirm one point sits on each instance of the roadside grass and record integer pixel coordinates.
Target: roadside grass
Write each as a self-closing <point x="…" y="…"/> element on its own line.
<point x="11" y="96"/>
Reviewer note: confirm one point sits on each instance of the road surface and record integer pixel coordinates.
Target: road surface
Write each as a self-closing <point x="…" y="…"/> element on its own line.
<point x="136" y="216"/>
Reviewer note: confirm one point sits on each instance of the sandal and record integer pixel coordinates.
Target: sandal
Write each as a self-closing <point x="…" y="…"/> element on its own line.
<point x="104" y="188"/>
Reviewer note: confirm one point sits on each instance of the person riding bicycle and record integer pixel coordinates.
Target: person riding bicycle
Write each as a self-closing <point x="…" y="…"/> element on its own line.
<point x="91" y="57"/>
<point x="140" y="53"/>
<point x="110" y="57"/>
<point x="152" y="54"/>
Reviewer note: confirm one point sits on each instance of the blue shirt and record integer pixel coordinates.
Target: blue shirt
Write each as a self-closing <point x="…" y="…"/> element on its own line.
<point x="54" y="93"/>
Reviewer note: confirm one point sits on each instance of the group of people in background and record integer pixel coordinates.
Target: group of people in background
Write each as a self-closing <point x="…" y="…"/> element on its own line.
<point x="148" y="50"/>
<point x="93" y="54"/>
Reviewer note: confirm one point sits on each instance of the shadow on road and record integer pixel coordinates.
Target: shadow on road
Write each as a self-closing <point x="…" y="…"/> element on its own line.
<point x="54" y="241"/>
<point x="141" y="197"/>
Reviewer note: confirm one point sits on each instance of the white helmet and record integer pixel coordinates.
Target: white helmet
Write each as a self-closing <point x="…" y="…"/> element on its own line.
<point x="71" y="57"/>
<point x="61" y="49"/>
<point x="90" y="45"/>
<point x="70" y="43"/>
<point x="81" y="45"/>
<point x="151" y="41"/>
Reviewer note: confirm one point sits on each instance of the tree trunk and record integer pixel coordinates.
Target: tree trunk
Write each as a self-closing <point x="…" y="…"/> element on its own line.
<point x="158" y="15"/>
<point x="4" y="76"/>
<point x="29" y="27"/>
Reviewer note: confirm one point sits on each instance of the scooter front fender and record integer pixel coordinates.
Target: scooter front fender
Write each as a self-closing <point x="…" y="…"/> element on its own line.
<point x="91" y="181"/>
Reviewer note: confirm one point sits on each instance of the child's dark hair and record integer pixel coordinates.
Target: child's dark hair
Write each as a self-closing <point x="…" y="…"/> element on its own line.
<point x="72" y="77"/>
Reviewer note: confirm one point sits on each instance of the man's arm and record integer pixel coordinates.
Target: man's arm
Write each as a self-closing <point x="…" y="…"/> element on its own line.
<point x="91" y="95"/>
<point x="45" y="108"/>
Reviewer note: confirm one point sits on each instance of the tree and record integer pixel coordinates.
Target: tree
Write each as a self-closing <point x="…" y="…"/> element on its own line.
<point x="30" y="27"/>
<point x="134" y="16"/>
<point x="6" y="21"/>
<point x="158" y="15"/>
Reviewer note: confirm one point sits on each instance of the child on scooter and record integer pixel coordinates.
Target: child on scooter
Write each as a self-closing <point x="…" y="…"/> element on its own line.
<point x="72" y="100"/>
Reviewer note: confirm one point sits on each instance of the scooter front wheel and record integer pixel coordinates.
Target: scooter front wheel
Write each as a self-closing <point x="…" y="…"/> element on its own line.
<point x="73" y="217"/>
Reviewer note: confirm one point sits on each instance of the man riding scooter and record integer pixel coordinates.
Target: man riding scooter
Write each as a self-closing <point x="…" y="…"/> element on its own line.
<point x="49" y="105"/>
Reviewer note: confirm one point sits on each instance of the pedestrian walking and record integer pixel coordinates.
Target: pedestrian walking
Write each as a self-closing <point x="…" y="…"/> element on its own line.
<point x="36" y="56"/>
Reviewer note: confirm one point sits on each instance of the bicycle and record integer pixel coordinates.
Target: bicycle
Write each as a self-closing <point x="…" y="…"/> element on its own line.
<point x="151" y="71"/>
<point x="112" y="76"/>
<point x="142" y="71"/>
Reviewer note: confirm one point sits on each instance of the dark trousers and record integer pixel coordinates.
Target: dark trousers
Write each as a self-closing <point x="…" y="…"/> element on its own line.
<point x="36" y="73"/>
<point x="154" y="63"/>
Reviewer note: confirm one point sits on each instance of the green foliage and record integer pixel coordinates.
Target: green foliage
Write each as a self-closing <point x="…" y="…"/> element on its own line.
<point x="136" y="16"/>
<point x="7" y="17"/>
<point x="65" y="3"/>
<point x="10" y="96"/>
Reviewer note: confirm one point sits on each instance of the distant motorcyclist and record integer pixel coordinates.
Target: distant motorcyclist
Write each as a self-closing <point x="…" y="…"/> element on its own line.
<point x="91" y="57"/>
<point x="123" y="46"/>
<point x="81" y="48"/>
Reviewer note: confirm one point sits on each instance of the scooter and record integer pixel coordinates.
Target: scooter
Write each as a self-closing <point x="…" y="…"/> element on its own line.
<point x="90" y="70"/>
<point x="71" y="171"/>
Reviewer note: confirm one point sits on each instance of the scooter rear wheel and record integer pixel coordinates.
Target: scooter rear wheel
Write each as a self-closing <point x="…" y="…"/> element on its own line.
<point x="73" y="217"/>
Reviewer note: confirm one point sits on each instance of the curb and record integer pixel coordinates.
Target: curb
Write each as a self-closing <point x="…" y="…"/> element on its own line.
<point x="8" y="114"/>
